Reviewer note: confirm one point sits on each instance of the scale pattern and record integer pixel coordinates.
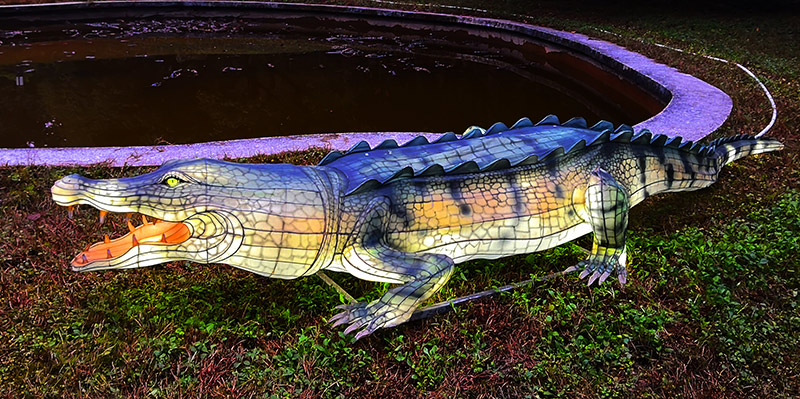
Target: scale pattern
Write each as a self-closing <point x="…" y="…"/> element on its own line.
<point x="406" y="214"/>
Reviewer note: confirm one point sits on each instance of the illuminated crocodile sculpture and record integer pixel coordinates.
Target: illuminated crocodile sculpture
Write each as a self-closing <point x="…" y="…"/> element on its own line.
<point x="405" y="214"/>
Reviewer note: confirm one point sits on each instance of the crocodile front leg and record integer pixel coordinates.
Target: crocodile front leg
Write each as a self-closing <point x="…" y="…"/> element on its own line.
<point x="368" y="256"/>
<point x="607" y="211"/>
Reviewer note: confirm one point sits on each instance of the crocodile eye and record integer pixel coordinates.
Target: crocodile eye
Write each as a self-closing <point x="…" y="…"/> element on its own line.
<point x="172" y="181"/>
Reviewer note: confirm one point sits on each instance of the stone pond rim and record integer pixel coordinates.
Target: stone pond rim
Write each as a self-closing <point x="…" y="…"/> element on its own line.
<point x="694" y="108"/>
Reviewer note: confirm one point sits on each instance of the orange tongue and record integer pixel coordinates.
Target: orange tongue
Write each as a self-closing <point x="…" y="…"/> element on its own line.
<point x="161" y="233"/>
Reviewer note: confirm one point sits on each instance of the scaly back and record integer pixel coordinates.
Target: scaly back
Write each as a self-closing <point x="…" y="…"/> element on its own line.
<point x="476" y="150"/>
<point x="499" y="147"/>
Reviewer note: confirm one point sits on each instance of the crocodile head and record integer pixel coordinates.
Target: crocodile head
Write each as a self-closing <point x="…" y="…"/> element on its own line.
<point x="195" y="209"/>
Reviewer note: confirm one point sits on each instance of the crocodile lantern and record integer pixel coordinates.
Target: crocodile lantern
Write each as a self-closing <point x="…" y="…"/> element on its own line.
<point x="405" y="214"/>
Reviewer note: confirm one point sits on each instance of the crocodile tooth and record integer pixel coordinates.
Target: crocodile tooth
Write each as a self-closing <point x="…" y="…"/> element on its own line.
<point x="71" y="211"/>
<point x="130" y="226"/>
<point x="103" y="216"/>
<point x="144" y="219"/>
<point x="108" y="254"/>
<point x="106" y="240"/>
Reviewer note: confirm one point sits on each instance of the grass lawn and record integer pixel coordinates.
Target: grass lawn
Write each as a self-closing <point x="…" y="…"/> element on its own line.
<point x="711" y="308"/>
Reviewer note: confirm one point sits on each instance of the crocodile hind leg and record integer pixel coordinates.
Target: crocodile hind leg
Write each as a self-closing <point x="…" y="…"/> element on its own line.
<point x="367" y="256"/>
<point x="607" y="211"/>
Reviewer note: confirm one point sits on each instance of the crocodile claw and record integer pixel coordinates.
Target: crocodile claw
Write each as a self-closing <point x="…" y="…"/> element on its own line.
<point x="604" y="276"/>
<point x="594" y="277"/>
<point x="598" y="267"/>
<point x="355" y="326"/>
<point x="622" y="275"/>
<point x="363" y="333"/>
<point x="345" y="306"/>
<point x="338" y="319"/>
<point x="368" y="317"/>
<point x="571" y="269"/>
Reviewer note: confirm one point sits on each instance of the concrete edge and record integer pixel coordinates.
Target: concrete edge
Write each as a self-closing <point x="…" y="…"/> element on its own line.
<point x="695" y="108"/>
<point x="156" y="155"/>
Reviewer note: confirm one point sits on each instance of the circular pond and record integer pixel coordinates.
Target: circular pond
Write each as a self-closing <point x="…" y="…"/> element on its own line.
<point x="126" y="79"/>
<point x="139" y="83"/>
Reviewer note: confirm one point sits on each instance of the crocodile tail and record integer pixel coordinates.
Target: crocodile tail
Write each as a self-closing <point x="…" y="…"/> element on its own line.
<point x="729" y="149"/>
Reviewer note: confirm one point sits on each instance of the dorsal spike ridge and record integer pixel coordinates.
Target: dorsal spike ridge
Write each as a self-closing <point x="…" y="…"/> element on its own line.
<point x="433" y="170"/>
<point x="529" y="160"/>
<point x="466" y="167"/>
<point x="549" y="120"/>
<point x="601" y="138"/>
<point x="366" y="186"/>
<point x="558" y="152"/>
<point x="361" y="146"/>
<point x="387" y="144"/>
<point x="675" y="142"/>
<point x="577" y="146"/>
<point x="602" y="126"/>
<point x="473" y="132"/>
<point x="332" y="156"/>
<point x="498" y="164"/>
<point x="622" y="137"/>
<point x="642" y="138"/>
<point x="524" y="122"/>
<point x="525" y="143"/>
<point x="659" y="140"/>
<point x="447" y="137"/>
<point x="404" y="173"/>
<point x="576" y="122"/>
<point x="497" y="128"/>
<point x="419" y="140"/>
<point x="623" y="128"/>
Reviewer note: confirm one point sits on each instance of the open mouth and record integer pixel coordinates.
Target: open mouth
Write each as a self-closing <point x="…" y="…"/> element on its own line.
<point x="155" y="233"/>
<point x="191" y="232"/>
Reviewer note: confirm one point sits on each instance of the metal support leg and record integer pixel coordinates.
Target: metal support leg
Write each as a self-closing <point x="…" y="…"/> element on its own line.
<point x="445" y="306"/>
<point x="338" y="288"/>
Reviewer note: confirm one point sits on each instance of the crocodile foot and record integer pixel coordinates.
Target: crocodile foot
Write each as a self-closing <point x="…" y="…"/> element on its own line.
<point x="371" y="317"/>
<point x="601" y="264"/>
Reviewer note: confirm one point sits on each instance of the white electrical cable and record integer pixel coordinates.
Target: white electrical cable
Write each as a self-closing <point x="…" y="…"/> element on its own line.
<point x="769" y="96"/>
<point x="742" y="67"/>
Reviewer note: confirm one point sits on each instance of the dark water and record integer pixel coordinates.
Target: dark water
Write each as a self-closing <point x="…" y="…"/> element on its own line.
<point x="143" y="82"/>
